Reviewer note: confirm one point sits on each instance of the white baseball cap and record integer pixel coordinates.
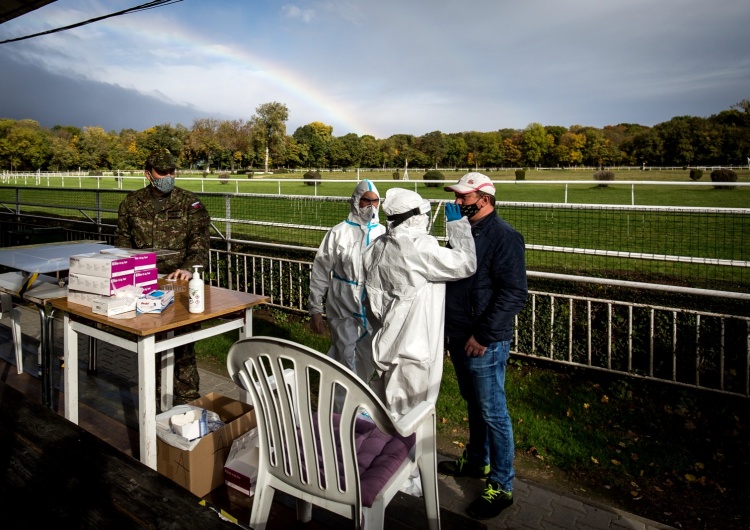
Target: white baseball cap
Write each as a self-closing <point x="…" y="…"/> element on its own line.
<point x="473" y="182"/>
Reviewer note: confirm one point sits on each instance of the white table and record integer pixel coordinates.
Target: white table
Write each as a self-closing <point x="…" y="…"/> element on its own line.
<point x="225" y="309"/>
<point x="31" y="283"/>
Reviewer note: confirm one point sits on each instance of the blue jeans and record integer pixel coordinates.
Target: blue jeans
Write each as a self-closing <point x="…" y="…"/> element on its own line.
<point x="481" y="381"/>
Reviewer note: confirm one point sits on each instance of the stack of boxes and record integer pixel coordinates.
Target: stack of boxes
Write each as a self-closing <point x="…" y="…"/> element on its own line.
<point x="94" y="274"/>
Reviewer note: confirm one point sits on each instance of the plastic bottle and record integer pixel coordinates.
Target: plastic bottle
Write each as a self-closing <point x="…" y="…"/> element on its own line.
<point x="196" y="290"/>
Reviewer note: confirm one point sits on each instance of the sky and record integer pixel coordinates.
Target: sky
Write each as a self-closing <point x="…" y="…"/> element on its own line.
<point x="378" y="67"/>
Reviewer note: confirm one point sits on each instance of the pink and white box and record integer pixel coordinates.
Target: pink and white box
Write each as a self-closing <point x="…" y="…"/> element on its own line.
<point x="147" y="280"/>
<point x="98" y="284"/>
<point x="102" y="265"/>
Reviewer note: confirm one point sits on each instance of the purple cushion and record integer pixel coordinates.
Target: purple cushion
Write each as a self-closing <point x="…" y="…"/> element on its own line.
<point x="379" y="455"/>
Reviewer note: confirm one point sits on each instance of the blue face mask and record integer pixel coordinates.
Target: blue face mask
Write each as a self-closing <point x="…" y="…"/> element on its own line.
<point x="164" y="184"/>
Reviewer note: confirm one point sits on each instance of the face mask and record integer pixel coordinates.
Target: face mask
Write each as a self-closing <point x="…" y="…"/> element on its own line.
<point x="469" y="210"/>
<point x="164" y="184"/>
<point x="367" y="213"/>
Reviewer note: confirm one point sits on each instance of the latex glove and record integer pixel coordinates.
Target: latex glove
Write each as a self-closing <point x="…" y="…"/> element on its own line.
<point x="316" y="323"/>
<point x="452" y="211"/>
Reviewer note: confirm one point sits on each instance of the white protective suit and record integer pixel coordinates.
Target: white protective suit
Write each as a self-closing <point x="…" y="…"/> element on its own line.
<point x="406" y="271"/>
<point x="337" y="277"/>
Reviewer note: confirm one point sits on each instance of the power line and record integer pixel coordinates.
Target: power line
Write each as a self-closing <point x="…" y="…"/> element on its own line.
<point x="142" y="7"/>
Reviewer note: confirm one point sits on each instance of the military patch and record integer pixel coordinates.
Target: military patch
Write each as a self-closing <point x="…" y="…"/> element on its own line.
<point x="196" y="205"/>
<point x="174" y="214"/>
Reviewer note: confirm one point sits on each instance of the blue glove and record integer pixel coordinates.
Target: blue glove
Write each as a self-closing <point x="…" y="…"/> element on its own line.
<point x="452" y="211"/>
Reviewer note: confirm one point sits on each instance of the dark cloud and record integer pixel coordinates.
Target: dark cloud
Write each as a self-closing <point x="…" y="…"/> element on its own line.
<point x="30" y="92"/>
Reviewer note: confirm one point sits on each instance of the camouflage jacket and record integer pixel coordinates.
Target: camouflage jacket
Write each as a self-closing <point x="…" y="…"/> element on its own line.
<point x="182" y="223"/>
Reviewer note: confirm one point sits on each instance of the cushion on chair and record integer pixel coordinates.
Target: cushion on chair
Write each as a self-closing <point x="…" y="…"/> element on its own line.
<point x="379" y="455"/>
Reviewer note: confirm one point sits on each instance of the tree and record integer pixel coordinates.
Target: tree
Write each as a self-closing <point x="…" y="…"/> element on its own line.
<point x="535" y="143"/>
<point x="63" y="152"/>
<point x="433" y="146"/>
<point x="235" y="137"/>
<point x="349" y="149"/>
<point x="317" y="137"/>
<point x="371" y="155"/>
<point x="511" y="151"/>
<point x="203" y="140"/>
<point x="269" y="127"/>
<point x="24" y="145"/>
<point x="456" y="150"/>
<point x="95" y="148"/>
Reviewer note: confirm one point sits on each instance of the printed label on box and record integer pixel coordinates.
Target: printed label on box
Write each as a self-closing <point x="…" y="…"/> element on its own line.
<point x="102" y="265"/>
<point x="147" y="280"/>
<point x="154" y="302"/>
<point x="97" y="284"/>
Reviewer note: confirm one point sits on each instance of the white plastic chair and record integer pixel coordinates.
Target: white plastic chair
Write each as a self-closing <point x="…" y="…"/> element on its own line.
<point x="323" y="457"/>
<point x="7" y="310"/>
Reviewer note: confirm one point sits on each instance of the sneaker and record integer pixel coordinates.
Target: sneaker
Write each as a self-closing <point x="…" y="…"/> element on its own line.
<point x="493" y="501"/>
<point x="462" y="468"/>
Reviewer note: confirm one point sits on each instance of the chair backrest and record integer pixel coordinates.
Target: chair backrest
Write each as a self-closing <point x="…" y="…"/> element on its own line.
<point x="306" y="437"/>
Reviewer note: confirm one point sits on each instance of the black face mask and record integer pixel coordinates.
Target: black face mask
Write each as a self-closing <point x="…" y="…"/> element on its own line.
<point x="469" y="210"/>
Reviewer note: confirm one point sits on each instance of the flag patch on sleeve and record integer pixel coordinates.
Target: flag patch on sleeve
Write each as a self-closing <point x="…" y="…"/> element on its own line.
<point x="196" y="205"/>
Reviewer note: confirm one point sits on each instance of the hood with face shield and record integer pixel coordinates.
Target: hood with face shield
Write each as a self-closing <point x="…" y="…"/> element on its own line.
<point x="406" y="207"/>
<point x="368" y="214"/>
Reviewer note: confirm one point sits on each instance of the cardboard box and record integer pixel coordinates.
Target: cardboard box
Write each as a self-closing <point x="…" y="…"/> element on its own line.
<point x="202" y="469"/>
<point x="101" y="265"/>
<point x="98" y="284"/>
<point x="241" y="469"/>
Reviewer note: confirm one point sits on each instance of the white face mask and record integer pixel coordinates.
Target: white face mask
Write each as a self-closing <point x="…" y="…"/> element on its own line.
<point x="367" y="213"/>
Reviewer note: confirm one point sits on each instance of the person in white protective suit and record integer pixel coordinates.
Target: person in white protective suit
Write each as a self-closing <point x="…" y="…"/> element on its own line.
<point x="405" y="272"/>
<point x="337" y="279"/>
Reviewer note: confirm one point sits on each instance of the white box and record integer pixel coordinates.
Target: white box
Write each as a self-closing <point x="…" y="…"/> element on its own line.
<point x="98" y="284"/>
<point x="154" y="302"/>
<point x="186" y="425"/>
<point x="81" y="298"/>
<point x="241" y="469"/>
<point x="111" y="305"/>
<point x="102" y="265"/>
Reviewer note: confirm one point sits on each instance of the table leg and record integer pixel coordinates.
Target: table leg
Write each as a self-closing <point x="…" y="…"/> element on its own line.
<point x="70" y="372"/>
<point x="46" y="351"/>
<point x="247" y="330"/>
<point x="147" y="399"/>
<point x="167" y="377"/>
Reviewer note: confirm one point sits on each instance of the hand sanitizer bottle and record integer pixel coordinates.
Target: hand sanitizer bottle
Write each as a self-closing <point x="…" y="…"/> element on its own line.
<point x="196" y="289"/>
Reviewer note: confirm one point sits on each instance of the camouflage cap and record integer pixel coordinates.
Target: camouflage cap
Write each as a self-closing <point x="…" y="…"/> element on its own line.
<point x="161" y="160"/>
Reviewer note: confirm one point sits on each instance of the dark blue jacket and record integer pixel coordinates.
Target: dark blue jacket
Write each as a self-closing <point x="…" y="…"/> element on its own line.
<point x="485" y="304"/>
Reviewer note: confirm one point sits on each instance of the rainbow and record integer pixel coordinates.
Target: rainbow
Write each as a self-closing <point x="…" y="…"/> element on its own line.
<point x="285" y="79"/>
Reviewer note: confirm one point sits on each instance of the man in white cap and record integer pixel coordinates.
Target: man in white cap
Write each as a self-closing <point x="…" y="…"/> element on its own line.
<point x="478" y="328"/>
<point x="337" y="281"/>
<point x="405" y="272"/>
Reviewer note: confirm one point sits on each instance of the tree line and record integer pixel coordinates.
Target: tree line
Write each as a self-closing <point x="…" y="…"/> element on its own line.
<point x="262" y="143"/>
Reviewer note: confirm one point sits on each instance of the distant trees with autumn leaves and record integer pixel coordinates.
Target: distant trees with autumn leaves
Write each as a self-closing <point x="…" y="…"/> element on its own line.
<point x="262" y="143"/>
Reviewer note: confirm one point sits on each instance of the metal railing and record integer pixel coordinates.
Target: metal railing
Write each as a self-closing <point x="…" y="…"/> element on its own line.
<point x="687" y="347"/>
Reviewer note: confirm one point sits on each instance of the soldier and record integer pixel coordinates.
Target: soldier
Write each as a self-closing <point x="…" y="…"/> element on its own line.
<point x="163" y="216"/>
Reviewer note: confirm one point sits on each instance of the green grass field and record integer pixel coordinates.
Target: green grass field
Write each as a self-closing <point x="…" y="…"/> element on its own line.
<point x="538" y="186"/>
<point x="716" y="235"/>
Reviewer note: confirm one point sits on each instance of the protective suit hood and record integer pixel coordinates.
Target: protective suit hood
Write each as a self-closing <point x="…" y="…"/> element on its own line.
<point x="406" y="208"/>
<point x="355" y="212"/>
